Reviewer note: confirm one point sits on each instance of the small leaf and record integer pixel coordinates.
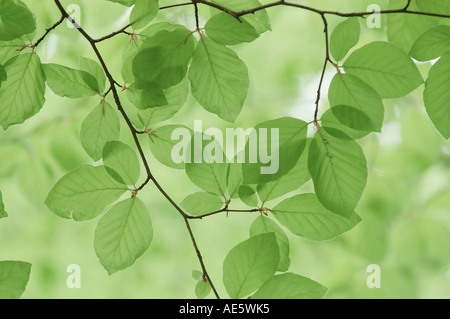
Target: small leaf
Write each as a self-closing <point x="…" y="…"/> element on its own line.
<point x="92" y="67"/>
<point x="437" y="95"/>
<point x="344" y="37"/>
<point x="100" y="126"/>
<point x="305" y="216"/>
<point x="226" y="29"/>
<point x="202" y="289"/>
<point x="339" y="171"/>
<point x="290" y="286"/>
<point x="15" y="20"/>
<point x="84" y="193"/>
<point x="248" y="196"/>
<point x="3" y="213"/>
<point x="386" y="68"/>
<point x="432" y="44"/>
<point x="120" y="159"/>
<point x="250" y="264"/>
<point x="143" y="13"/>
<point x="201" y="203"/>
<point x="219" y="79"/>
<point x="197" y="275"/>
<point x="67" y="82"/>
<point x="263" y="225"/>
<point x="123" y="234"/>
<point x="14" y="276"/>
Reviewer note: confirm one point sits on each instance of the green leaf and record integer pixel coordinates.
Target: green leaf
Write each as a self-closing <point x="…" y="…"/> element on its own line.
<point x="227" y="30"/>
<point x="127" y="3"/>
<point x="143" y="13"/>
<point x="259" y="20"/>
<point x="234" y="179"/>
<point x="305" y="216"/>
<point x="84" y="193"/>
<point x="3" y="75"/>
<point x="219" y="79"/>
<point x="10" y="49"/>
<point x="123" y="234"/>
<point x="437" y="95"/>
<point x="15" y="20"/>
<point x="146" y="98"/>
<point x="290" y="181"/>
<point x="163" y="58"/>
<point x="249" y="264"/>
<point x="347" y="89"/>
<point x="67" y="82"/>
<point x="202" y="289"/>
<point x="248" y="196"/>
<point x="3" y="213"/>
<point x="120" y="159"/>
<point x="344" y="37"/>
<point x="284" y="149"/>
<point x="100" y="126"/>
<point x="434" y="6"/>
<point x="201" y="203"/>
<point x="335" y="128"/>
<point x="385" y="67"/>
<point x="14" y="276"/>
<point x="93" y="68"/>
<point x="162" y="144"/>
<point x="262" y="225"/>
<point x="290" y="286"/>
<point x="197" y="275"/>
<point x="432" y="44"/>
<point x="353" y="118"/>
<point x="22" y="94"/>
<point x="339" y="171"/>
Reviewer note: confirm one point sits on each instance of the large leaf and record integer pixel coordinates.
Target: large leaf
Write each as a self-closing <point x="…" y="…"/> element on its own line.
<point x="100" y="126"/>
<point x="386" y="68"/>
<point x="250" y="264"/>
<point x="432" y="44"/>
<point x="347" y="89"/>
<point x="9" y="49"/>
<point x="143" y="13"/>
<point x="15" y="20"/>
<point x="163" y="58"/>
<point x="22" y="94"/>
<point x="225" y="29"/>
<point x="282" y="141"/>
<point x="437" y="95"/>
<point x="3" y="213"/>
<point x="123" y="234"/>
<point x="84" y="193"/>
<point x="201" y="203"/>
<point x="263" y="225"/>
<point x="14" y="276"/>
<point x="219" y="79"/>
<point x="67" y="82"/>
<point x="305" y="216"/>
<point x="290" y="286"/>
<point x="120" y="159"/>
<point x="344" y="37"/>
<point x="339" y="171"/>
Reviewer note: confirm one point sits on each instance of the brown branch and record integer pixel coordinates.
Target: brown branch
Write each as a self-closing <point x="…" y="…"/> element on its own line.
<point x="113" y="34"/>
<point x="47" y="31"/>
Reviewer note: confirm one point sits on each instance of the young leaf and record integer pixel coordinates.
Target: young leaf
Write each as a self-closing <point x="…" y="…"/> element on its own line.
<point x="143" y="13"/>
<point x="219" y="79"/>
<point x="226" y="29"/>
<point x="347" y="89"/>
<point x="248" y="196"/>
<point x="3" y="213"/>
<point x="121" y="162"/>
<point x="339" y="171"/>
<point x="92" y="67"/>
<point x="15" y="20"/>
<point x="437" y="95"/>
<point x="197" y="275"/>
<point x="305" y="216"/>
<point x="284" y="139"/>
<point x="163" y="58"/>
<point x="263" y="225"/>
<point x="344" y="37"/>
<point x="70" y="83"/>
<point x="123" y="234"/>
<point x="22" y="93"/>
<point x="14" y="276"/>
<point x="249" y="264"/>
<point x="100" y="126"/>
<point x="385" y="67"/>
<point x="290" y="286"/>
<point x="202" y="289"/>
<point x="432" y="44"/>
<point x="201" y="203"/>
<point x="84" y="193"/>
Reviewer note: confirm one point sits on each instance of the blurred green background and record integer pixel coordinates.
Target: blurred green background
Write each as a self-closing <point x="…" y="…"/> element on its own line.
<point x="405" y="207"/>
